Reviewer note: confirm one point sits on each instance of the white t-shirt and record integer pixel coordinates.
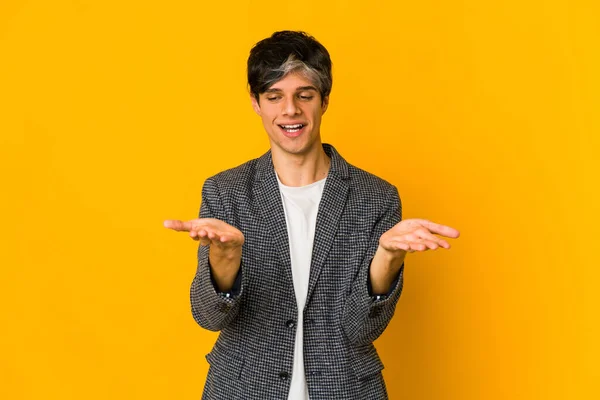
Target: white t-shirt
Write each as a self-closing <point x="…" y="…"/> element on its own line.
<point x="300" y="205"/>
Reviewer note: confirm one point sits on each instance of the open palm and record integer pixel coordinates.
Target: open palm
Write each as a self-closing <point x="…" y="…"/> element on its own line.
<point x="209" y="231"/>
<point x="416" y="235"/>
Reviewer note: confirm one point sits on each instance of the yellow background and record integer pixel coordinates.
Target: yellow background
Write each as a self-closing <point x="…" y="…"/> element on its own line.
<point x="483" y="114"/>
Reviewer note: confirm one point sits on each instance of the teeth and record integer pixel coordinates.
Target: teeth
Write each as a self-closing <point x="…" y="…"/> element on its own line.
<point x="292" y="126"/>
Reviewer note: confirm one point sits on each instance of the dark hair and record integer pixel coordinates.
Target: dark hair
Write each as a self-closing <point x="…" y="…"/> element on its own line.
<point x="284" y="52"/>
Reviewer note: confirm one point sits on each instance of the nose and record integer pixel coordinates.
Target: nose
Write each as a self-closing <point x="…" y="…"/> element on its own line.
<point x="290" y="107"/>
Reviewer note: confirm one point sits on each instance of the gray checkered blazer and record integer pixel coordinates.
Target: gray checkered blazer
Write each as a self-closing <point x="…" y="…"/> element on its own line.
<point x="253" y="355"/>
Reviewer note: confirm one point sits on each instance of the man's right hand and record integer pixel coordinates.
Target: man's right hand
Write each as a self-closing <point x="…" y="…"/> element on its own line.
<point x="225" y="242"/>
<point x="209" y="231"/>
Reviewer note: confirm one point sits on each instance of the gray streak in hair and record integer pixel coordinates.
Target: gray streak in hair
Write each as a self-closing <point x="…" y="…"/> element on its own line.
<point x="294" y="65"/>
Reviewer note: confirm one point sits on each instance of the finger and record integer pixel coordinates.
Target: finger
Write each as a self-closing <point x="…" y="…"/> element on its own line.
<point x="443" y="243"/>
<point x="422" y="245"/>
<point x="226" y="239"/>
<point x="208" y="236"/>
<point x="418" y="246"/>
<point x="439" y="229"/>
<point x="426" y="236"/>
<point x="202" y="232"/>
<point x="408" y="238"/>
<point x="177" y="225"/>
<point x="216" y="236"/>
<point x="230" y="239"/>
<point x="194" y="235"/>
<point x="399" y="245"/>
<point x="430" y="244"/>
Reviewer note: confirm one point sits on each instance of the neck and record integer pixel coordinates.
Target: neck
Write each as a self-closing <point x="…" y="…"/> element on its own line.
<point x="301" y="169"/>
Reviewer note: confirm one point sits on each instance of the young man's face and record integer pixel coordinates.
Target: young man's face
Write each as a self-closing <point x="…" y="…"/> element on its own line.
<point x="291" y="111"/>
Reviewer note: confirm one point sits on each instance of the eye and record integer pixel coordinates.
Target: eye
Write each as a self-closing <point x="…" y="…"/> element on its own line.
<point x="306" y="97"/>
<point x="273" y="98"/>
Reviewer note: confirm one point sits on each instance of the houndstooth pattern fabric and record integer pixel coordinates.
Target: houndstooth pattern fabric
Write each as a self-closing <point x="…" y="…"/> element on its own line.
<point x="253" y="355"/>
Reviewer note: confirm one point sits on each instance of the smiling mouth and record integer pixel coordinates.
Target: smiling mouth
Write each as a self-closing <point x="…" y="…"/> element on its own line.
<point x="292" y="128"/>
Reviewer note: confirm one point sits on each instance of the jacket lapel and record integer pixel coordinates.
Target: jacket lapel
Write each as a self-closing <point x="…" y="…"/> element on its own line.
<point x="331" y="207"/>
<point x="267" y="195"/>
<point x="332" y="204"/>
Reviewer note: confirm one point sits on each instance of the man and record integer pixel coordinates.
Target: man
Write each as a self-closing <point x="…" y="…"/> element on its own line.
<point x="301" y="255"/>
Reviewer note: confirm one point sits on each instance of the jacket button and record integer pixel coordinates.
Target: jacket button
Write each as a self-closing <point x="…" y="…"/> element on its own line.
<point x="290" y="323"/>
<point x="284" y="375"/>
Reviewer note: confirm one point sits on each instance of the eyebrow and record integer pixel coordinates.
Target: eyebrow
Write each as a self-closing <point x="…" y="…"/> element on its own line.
<point x="298" y="89"/>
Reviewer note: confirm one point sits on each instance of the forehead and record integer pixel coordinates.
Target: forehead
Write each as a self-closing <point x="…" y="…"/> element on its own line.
<point x="293" y="81"/>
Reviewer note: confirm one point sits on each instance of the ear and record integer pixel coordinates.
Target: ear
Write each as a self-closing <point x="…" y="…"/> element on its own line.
<point x="324" y="104"/>
<point x="255" y="104"/>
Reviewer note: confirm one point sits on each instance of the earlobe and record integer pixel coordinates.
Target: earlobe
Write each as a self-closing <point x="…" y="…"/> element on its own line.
<point x="325" y="104"/>
<point x="255" y="104"/>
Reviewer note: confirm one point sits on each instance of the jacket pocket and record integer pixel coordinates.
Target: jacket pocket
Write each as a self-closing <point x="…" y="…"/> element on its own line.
<point x="225" y="365"/>
<point x="366" y="363"/>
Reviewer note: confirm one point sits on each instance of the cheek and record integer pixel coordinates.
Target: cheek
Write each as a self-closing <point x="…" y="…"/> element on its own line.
<point x="267" y="122"/>
<point x="316" y="115"/>
<point x="268" y="115"/>
<point x="264" y="115"/>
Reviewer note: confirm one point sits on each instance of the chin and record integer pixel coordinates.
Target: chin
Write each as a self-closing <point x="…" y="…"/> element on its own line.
<point x="300" y="145"/>
<point x="291" y="148"/>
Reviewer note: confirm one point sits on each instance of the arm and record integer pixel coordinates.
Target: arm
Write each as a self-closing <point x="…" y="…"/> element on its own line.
<point x="216" y="264"/>
<point x="365" y="319"/>
<point x="219" y="262"/>
<point x="213" y="309"/>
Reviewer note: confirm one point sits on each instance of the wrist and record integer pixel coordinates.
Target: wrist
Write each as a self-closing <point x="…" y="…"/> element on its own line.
<point x="390" y="259"/>
<point x="224" y="266"/>
<point x="384" y="268"/>
<point x="224" y="255"/>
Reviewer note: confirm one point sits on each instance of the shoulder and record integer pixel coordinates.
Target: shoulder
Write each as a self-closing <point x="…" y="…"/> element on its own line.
<point x="370" y="197"/>
<point x="235" y="176"/>
<point x="370" y="191"/>
<point x="362" y="183"/>
<point x="233" y="183"/>
<point x="373" y="195"/>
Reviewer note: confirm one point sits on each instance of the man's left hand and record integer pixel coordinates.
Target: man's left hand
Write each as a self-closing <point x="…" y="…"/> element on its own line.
<point x="412" y="235"/>
<point x="405" y="237"/>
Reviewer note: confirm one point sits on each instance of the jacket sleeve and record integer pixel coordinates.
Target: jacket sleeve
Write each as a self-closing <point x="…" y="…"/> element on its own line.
<point x="365" y="319"/>
<point x="212" y="310"/>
